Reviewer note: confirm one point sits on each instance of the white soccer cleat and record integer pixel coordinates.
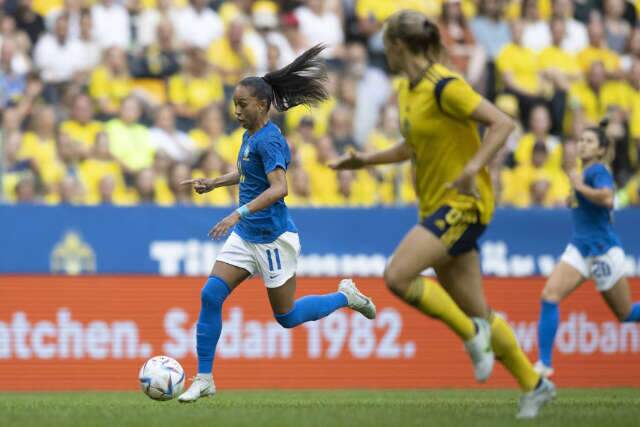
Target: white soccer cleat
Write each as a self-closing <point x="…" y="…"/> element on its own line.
<point x="532" y="402"/>
<point x="202" y="386"/>
<point x="357" y="300"/>
<point x="543" y="370"/>
<point x="479" y="348"/>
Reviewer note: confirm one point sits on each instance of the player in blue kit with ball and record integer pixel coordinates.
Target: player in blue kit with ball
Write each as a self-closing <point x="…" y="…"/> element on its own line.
<point x="264" y="239"/>
<point x="594" y="251"/>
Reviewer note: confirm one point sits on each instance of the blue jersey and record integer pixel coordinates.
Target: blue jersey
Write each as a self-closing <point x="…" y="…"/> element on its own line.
<point x="592" y="228"/>
<point x="260" y="154"/>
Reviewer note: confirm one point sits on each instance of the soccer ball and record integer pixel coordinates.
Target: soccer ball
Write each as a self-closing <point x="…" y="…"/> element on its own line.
<point x="161" y="378"/>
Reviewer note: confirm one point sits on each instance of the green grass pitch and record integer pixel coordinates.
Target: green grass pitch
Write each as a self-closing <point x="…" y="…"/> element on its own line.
<point x="494" y="408"/>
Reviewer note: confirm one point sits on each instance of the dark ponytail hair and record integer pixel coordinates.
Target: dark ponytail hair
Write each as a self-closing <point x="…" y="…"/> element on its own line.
<point x="603" y="140"/>
<point x="601" y="132"/>
<point x="301" y="82"/>
<point x="419" y="33"/>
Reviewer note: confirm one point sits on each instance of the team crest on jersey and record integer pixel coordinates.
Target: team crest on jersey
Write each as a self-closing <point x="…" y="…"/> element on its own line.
<point x="245" y="155"/>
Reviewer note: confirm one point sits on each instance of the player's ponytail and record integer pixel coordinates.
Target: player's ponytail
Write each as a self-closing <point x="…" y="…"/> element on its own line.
<point x="301" y="82"/>
<point x="603" y="139"/>
<point x="419" y="33"/>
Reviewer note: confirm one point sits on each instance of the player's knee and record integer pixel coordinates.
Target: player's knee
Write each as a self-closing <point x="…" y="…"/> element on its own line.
<point x="394" y="281"/>
<point x="213" y="293"/>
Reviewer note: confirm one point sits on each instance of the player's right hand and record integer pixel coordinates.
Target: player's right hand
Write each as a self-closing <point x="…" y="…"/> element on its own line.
<point x="200" y="185"/>
<point x="349" y="160"/>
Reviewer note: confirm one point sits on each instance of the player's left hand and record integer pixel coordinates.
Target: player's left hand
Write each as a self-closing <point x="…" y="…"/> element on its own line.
<point x="465" y="184"/>
<point x="222" y="228"/>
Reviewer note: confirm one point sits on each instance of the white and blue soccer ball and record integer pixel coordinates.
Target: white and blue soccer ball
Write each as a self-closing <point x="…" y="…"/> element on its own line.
<point x="161" y="378"/>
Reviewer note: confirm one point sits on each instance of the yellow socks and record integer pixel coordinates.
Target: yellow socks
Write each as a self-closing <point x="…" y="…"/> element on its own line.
<point x="429" y="297"/>
<point x="508" y="352"/>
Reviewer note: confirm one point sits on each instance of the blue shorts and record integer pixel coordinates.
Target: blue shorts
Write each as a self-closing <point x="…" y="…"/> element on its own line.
<point x="459" y="230"/>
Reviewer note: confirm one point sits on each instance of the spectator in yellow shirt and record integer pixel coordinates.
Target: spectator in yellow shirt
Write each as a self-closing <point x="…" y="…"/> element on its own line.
<point x="598" y="51"/>
<point x="107" y="193"/>
<point x="324" y="185"/>
<point x="182" y="194"/>
<point x="355" y="188"/>
<point x="39" y="144"/>
<point x="299" y="187"/>
<point x="531" y="183"/>
<point x="230" y="55"/>
<point x="540" y="124"/>
<point x="148" y="190"/>
<point x="519" y="70"/>
<point x="633" y="89"/>
<point x="100" y="165"/>
<point x="80" y="126"/>
<point x="69" y="192"/>
<point x="560" y="69"/>
<point x="591" y="100"/>
<point x="110" y="83"/>
<point x="129" y="141"/>
<point x="209" y="135"/>
<point x="195" y="88"/>
<point x="13" y="169"/>
<point x="386" y="135"/>
<point x="55" y="175"/>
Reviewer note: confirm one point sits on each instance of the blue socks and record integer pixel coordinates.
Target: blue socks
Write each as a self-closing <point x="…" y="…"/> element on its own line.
<point x="312" y="307"/>
<point x="209" y="326"/>
<point x="547" y="328"/>
<point x="634" y="316"/>
<point x="213" y="294"/>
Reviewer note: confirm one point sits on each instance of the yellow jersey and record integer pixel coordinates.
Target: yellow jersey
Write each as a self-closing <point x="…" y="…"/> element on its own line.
<point x="104" y="85"/>
<point x="222" y="55"/>
<point x="84" y="133"/>
<point x="522" y="63"/>
<point x="590" y="54"/>
<point x="553" y="57"/>
<point x="443" y="138"/>
<point x="595" y="105"/>
<point x="195" y="92"/>
<point x="524" y="151"/>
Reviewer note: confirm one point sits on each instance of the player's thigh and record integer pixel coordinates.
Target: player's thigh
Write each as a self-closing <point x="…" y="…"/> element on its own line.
<point x="462" y="279"/>
<point x="564" y="279"/>
<point x="608" y="273"/>
<point x="418" y="250"/>
<point x="231" y="274"/>
<point x="235" y="262"/>
<point x="277" y="263"/>
<point x="282" y="298"/>
<point x="618" y="298"/>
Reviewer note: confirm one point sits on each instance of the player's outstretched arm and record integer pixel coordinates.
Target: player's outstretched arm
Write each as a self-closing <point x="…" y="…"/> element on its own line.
<point x="356" y="160"/>
<point x="204" y="185"/>
<point x="276" y="191"/>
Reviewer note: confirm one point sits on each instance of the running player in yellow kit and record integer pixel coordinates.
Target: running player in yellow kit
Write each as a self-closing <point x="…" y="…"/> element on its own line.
<point x="439" y="115"/>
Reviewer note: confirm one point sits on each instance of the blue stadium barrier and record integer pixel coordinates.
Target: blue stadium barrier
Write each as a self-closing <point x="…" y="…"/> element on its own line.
<point x="173" y="241"/>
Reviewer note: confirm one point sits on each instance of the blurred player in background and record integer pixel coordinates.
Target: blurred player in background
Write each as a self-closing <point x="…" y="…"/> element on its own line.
<point x="264" y="239"/>
<point x="439" y="113"/>
<point x="594" y="251"/>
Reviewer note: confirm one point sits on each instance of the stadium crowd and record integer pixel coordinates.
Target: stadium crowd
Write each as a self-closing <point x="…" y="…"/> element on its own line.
<point x="118" y="101"/>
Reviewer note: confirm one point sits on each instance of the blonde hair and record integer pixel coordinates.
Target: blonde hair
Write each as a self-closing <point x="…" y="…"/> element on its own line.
<point x="419" y="33"/>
